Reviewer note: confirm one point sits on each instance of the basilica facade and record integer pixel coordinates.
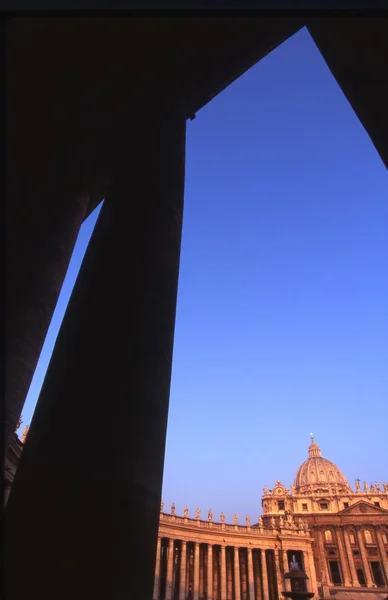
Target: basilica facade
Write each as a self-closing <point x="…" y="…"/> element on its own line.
<point x="338" y="536"/>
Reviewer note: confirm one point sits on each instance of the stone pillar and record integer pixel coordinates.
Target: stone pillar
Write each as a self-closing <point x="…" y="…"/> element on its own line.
<point x="383" y="553"/>
<point x="251" y="583"/>
<point x="286" y="567"/>
<point x="237" y="584"/>
<point x="365" y="562"/>
<point x="109" y="373"/>
<point x="209" y="572"/>
<point x="223" y="573"/>
<point x="264" y="573"/>
<point x="349" y="552"/>
<point x="307" y="570"/>
<point x="310" y="558"/>
<point x="324" y="575"/>
<point x="196" y="572"/>
<point x="170" y="567"/>
<point x="343" y="558"/>
<point x="279" y="579"/>
<point x="157" y="571"/>
<point x="182" y="578"/>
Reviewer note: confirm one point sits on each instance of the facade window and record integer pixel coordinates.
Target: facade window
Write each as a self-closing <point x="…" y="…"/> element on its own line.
<point x="323" y="505"/>
<point x="385" y="537"/>
<point x="304" y="507"/>
<point x="331" y="552"/>
<point x="335" y="572"/>
<point x="361" y="577"/>
<point x="346" y="504"/>
<point x="352" y="539"/>
<point x="368" y="537"/>
<point x="377" y="574"/>
<point x="280" y="504"/>
<point x="356" y="553"/>
<point x="328" y="537"/>
<point x="377" y="504"/>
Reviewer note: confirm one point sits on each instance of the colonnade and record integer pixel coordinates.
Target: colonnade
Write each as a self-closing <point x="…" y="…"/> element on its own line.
<point x="188" y="570"/>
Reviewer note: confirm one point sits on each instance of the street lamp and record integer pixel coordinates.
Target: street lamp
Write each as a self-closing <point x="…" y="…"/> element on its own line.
<point x="298" y="583"/>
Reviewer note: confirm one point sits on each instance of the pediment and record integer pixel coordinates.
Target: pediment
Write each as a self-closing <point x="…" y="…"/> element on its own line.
<point x="363" y="508"/>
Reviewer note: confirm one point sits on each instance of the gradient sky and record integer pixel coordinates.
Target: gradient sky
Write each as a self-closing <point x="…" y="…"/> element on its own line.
<point x="282" y="318"/>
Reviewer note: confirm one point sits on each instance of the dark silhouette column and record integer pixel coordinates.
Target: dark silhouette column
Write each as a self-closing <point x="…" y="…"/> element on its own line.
<point x="87" y="491"/>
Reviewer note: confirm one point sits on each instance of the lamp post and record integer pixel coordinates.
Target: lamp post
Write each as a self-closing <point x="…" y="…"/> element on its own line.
<point x="298" y="583"/>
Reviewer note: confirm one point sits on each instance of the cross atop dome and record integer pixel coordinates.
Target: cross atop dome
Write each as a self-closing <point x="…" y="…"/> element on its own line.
<point x="314" y="449"/>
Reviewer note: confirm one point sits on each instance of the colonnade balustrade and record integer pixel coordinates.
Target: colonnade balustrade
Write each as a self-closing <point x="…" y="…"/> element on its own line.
<point x="192" y="570"/>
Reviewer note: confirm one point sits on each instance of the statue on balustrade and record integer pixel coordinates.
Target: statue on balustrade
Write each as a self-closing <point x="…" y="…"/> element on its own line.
<point x="260" y="522"/>
<point x="372" y="488"/>
<point x="366" y="487"/>
<point x="235" y="519"/>
<point x="222" y="518"/>
<point x="173" y="508"/>
<point x="248" y="521"/>
<point x="210" y="515"/>
<point x="358" y="489"/>
<point x="377" y="486"/>
<point x="265" y="490"/>
<point x="185" y="511"/>
<point x="385" y="486"/>
<point x="197" y="513"/>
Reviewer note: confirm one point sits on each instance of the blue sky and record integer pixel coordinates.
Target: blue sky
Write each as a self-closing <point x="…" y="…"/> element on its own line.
<point x="282" y="317"/>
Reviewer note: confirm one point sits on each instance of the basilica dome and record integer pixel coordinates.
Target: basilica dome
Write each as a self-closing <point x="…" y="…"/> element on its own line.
<point x="318" y="471"/>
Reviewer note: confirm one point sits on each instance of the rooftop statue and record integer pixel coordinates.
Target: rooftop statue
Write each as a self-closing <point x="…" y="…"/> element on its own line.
<point x="248" y="521"/>
<point x="173" y="508"/>
<point x="235" y="519"/>
<point x="185" y="511"/>
<point x="222" y="518"/>
<point x="210" y="515"/>
<point x="197" y="513"/>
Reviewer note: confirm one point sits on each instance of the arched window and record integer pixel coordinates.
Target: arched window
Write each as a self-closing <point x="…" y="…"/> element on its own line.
<point x="328" y="537"/>
<point x="331" y="475"/>
<point x="368" y="536"/>
<point x="312" y="476"/>
<point x="322" y="476"/>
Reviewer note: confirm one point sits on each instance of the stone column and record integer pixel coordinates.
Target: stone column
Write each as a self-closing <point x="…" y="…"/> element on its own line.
<point x="182" y="578"/>
<point x="223" y="573"/>
<point x="383" y="553"/>
<point x="157" y="571"/>
<point x="279" y="578"/>
<point x="209" y="572"/>
<point x="110" y="370"/>
<point x="286" y="567"/>
<point x="170" y="567"/>
<point x="365" y="562"/>
<point x="314" y="586"/>
<point x="196" y="572"/>
<point x="349" y="552"/>
<point x="307" y="570"/>
<point x="324" y="575"/>
<point x="237" y="584"/>
<point x="343" y="557"/>
<point x="264" y="573"/>
<point x="251" y="583"/>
